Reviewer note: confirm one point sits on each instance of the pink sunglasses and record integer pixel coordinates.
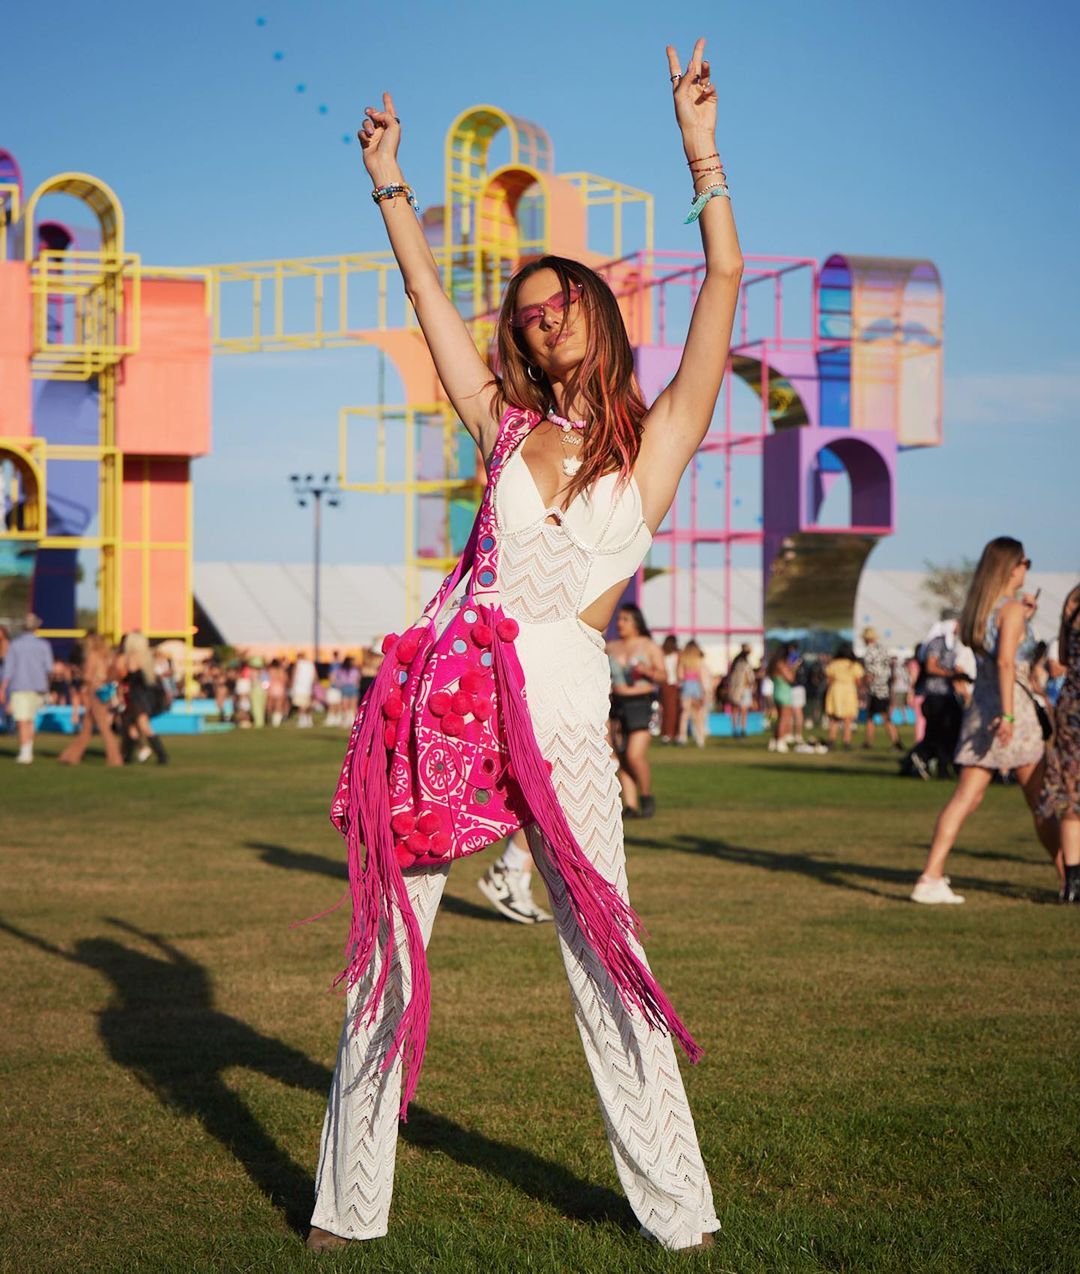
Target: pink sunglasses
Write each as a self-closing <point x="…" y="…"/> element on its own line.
<point x="532" y="314"/>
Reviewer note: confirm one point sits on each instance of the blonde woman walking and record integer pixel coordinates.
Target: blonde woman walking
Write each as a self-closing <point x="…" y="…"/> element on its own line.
<point x="696" y="691"/>
<point x="1001" y="728"/>
<point x="144" y="698"/>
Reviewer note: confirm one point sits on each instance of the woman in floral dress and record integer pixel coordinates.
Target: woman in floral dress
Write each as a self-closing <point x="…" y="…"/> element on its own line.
<point x="1061" y="790"/>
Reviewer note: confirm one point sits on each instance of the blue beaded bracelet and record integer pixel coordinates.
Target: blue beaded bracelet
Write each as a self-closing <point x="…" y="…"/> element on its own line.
<point x="710" y="192"/>
<point x="390" y="192"/>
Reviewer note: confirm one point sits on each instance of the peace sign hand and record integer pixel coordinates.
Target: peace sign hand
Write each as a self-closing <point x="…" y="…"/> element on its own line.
<point x="380" y="135"/>
<point x="694" y="93"/>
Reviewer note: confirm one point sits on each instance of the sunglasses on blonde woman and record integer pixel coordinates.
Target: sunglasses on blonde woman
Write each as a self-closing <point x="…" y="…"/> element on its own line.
<point x="530" y="315"/>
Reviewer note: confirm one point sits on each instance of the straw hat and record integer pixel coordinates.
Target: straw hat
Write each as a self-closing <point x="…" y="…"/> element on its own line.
<point x="869" y="634"/>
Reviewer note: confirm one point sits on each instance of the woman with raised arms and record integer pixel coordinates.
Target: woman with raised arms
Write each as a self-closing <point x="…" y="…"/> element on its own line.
<point x="576" y="504"/>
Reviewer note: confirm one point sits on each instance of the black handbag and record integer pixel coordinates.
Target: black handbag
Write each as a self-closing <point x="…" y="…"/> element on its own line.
<point x="1045" y="723"/>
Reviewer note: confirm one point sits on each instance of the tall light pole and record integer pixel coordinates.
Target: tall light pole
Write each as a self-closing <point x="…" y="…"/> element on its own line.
<point x="305" y="488"/>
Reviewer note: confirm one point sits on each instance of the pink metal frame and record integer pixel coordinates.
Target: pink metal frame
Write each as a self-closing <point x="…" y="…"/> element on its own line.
<point x="658" y="272"/>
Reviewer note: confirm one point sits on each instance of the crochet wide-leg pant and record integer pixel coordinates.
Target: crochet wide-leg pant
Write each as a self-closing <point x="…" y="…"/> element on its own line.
<point x="648" y="1122"/>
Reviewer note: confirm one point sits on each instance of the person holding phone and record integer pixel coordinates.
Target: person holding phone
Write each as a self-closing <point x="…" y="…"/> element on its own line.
<point x="1000" y="729"/>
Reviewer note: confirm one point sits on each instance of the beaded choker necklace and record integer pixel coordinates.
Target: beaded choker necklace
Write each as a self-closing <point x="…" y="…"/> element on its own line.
<point x="571" y="432"/>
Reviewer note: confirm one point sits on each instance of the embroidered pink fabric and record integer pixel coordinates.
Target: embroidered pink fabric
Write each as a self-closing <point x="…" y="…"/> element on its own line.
<point x="443" y="761"/>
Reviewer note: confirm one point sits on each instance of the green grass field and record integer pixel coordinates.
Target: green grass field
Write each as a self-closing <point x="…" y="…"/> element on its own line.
<point x="886" y="1087"/>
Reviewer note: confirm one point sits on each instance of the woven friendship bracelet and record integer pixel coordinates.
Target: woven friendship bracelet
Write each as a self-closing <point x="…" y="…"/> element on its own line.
<point x="392" y="191"/>
<point x="718" y="188"/>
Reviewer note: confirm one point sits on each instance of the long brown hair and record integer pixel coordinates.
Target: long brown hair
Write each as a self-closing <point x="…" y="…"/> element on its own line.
<point x="605" y="381"/>
<point x="998" y="561"/>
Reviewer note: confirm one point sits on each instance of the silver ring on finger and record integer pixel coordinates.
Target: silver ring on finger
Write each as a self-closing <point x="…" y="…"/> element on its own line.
<point x="676" y="77"/>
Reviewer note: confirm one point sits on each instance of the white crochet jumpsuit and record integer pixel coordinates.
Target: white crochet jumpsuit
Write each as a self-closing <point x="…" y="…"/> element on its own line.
<point x="552" y="564"/>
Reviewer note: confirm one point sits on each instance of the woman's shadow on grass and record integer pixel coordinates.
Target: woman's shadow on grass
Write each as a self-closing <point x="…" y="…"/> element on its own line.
<point x="854" y="876"/>
<point x="162" y="1025"/>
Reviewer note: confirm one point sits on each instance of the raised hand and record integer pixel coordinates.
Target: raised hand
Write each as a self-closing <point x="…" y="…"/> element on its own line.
<point x="380" y="135"/>
<point x="694" y="93"/>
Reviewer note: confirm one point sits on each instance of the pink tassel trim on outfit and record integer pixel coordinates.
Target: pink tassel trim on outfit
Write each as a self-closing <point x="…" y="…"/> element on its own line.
<point x="378" y="889"/>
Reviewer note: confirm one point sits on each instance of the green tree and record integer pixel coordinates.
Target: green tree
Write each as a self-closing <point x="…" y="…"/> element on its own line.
<point x="948" y="582"/>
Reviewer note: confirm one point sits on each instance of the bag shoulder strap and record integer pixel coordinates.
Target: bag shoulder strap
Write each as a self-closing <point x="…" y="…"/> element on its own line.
<point x="514" y="424"/>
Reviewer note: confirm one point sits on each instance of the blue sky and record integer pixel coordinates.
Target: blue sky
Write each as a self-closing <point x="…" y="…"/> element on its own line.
<point x="946" y="131"/>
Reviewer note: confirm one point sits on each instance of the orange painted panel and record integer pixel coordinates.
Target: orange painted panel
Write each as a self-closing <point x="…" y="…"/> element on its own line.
<point x="15" y="419"/>
<point x="569" y="219"/>
<point x="131" y="578"/>
<point x="131" y="525"/>
<point x="168" y="595"/>
<point x="168" y="500"/>
<point x="163" y="398"/>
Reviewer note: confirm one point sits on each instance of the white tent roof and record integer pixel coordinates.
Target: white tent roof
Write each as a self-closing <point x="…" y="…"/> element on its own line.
<point x="270" y="604"/>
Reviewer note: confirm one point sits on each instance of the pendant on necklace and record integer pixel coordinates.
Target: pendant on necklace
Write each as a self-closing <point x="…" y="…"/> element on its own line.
<point x="570" y="467"/>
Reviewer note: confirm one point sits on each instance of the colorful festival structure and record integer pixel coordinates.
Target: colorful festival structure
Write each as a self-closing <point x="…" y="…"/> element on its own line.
<point x="105" y="373"/>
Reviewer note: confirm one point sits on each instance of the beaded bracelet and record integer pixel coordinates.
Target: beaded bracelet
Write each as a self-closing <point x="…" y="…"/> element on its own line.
<point x="718" y="188"/>
<point x="700" y="172"/>
<point x="702" y="159"/>
<point x="392" y="191"/>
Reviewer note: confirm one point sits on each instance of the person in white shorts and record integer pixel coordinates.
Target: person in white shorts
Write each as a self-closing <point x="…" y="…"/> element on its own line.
<point x="27" y="666"/>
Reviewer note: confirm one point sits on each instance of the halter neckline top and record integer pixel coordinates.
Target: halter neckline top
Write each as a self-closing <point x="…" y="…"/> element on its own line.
<point x="552" y="570"/>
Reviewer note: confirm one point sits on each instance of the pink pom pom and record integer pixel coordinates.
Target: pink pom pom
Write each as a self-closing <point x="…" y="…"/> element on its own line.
<point x="390" y="736"/>
<point x="440" y="844"/>
<point x="439" y="703"/>
<point x="404" y="854"/>
<point x="418" y="843"/>
<point x="389" y="642"/>
<point x="403" y="822"/>
<point x="507" y="629"/>
<point x="393" y="708"/>
<point x="462" y="704"/>
<point x="549" y="765"/>
<point x="406" y="650"/>
<point x="471" y="683"/>
<point x="482" y="708"/>
<point x="453" y="724"/>
<point x="481" y="634"/>
<point x="429" y="822"/>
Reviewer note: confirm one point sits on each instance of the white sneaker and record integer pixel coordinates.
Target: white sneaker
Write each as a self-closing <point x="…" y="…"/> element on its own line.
<point x="509" y="893"/>
<point x="807" y="749"/>
<point x="781" y="746"/>
<point x="919" y="766"/>
<point x="24" y="757"/>
<point x="936" y="891"/>
<point x="143" y="754"/>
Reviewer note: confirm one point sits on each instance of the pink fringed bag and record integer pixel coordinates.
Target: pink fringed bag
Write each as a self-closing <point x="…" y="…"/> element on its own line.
<point x="442" y="762"/>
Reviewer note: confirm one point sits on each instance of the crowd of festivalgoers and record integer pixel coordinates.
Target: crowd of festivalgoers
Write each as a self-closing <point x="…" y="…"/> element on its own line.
<point x="809" y="701"/>
<point x="117" y="691"/>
